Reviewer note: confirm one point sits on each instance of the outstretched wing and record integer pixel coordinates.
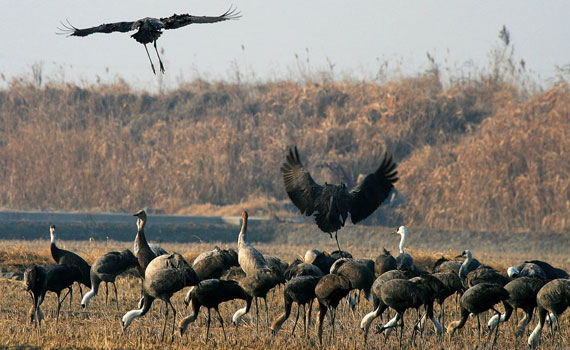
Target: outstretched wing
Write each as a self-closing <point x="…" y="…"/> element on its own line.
<point x="300" y="186"/>
<point x="177" y="21"/>
<point x="70" y="30"/>
<point x="373" y="190"/>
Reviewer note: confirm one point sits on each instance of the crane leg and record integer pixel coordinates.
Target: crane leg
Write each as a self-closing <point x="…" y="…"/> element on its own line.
<point x="57" y="312"/>
<point x="116" y="295"/>
<point x="401" y="329"/>
<point x="308" y="314"/>
<point x="159" y="60"/>
<point x="336" y="238"/>
<point x="496" y="330"/>
<point x="266" y="312"/>
<point x="165" y="320"/>
<point x="151" y="65"/>
<point x="207" y="323"/>
<point x="559" y="333"/>
<point x="106" y="293"/>
<point x="173" y="320"/>
<point x="222" y="323"/>
<point x="478" y="327"/>
<point x="296" y="319"/>
<point x="304" y="322"/>
<point x="257" y="316"/>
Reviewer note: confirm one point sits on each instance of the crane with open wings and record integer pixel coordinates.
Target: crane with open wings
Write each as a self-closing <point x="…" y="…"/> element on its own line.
<point x="149" y="29"/>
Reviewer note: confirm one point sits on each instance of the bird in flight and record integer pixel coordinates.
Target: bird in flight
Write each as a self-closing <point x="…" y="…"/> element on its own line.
<point x="149" y="29"/>
<point x="332" y="203"/>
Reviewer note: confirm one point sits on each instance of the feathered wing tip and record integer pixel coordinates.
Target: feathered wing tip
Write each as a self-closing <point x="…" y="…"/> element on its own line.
<point x="231" y="13"/>
<point x="387" y="168"/>
<point x="292" y="160"/>
<point x="373" y="190"/>
<point x="67" y="28"/>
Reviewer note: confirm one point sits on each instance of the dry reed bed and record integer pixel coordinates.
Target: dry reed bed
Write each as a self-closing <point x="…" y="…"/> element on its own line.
<point x="475" y="155"/>
<point x="99" y="326"/>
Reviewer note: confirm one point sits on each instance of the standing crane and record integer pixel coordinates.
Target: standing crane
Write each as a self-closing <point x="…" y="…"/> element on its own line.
<point x="106" y="269"/>
<point x="65" y="257"/>
<point x="211" y="293"/>
<point x="249" y="258"/>
<point x="164" y="276"/>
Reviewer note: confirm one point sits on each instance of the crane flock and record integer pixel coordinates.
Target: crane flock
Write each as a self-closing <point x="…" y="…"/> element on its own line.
<point x="388" y="282"/>
<point x="397" y="283"/>
<point x="321" y="277"/>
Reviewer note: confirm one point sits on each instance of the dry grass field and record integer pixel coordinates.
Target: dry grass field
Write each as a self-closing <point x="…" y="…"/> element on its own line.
<point x="99" y="326"/>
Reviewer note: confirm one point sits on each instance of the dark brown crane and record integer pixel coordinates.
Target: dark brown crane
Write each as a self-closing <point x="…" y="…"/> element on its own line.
<point x="106" y="269"/>
<point x="527" y="270"/>
<point x="329" y="291"/>
<point x="483" y="275"/>
<point x="522" y="294"/>
<point x="148" y="29"/>
<point x="58" y="278"/>
<point x="299" y="268"/>
<point x="358" y="273"/>
<point x="35" y="280"/>
<point x="379" y="306"/>
<point x="211" y="293"/>
<point x="402" y="295"/>
<point x="331" y="204"/>
<point x="384" y="262"/>
<point x="257" y="285"/>
<point x="322" y="260"/>
<point x="553" y="297"/>
<point x="65" y="257"/>
<point x="452" y="285"/>
<point x="550" y="271"/>
<point x="302" y="291"/>
<point x="477" y="299"/>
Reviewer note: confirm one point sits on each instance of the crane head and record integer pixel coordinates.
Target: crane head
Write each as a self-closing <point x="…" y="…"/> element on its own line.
<point x="141" y="214"/>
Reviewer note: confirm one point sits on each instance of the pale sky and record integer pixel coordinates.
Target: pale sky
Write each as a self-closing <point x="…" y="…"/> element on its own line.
<point x="354" y="36"/>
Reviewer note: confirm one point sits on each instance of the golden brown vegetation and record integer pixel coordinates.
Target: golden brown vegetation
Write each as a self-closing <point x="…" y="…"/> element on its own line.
<point x="475" y="155"/>
<point x="99" y="326"/>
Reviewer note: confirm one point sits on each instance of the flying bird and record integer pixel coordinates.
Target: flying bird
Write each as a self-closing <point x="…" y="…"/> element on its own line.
<point x="332" y="203"/>
<point x="149" y="29"/>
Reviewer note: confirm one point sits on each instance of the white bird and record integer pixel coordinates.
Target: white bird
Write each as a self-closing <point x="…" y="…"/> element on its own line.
<point x="404" y="261"/>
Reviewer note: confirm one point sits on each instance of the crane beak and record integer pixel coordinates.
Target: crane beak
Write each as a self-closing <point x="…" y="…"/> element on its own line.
<point x="459" y="256"/>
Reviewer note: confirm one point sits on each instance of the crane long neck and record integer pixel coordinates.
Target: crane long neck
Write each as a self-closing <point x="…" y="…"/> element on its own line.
<point x="189" y="319"/>
<point x="129" y="316"/>
<point x="463" y="268"/>
<point x="242" y="234"/>
<point x="87" y="297"/>
<point x="402" y="243"/>
<point x="141" y="238"/>
<point x="467" y="260"/>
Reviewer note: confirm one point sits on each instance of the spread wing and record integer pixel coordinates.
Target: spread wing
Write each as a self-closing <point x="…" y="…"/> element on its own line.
<point x="70" y="30"/>
<point x="177" y="21"/>
<point x="300" y="186"/>
<point x="373" y="190"/>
